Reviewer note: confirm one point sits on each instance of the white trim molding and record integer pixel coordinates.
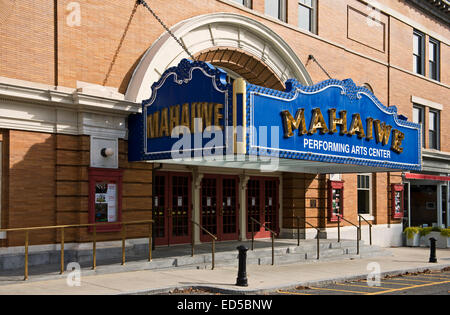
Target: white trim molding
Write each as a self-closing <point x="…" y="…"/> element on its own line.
<point x="421" y="101"/>
<point x="39" y="108"/>
<point x="213" y="31"/>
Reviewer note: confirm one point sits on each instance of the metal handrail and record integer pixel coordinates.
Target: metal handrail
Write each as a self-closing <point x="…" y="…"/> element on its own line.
<point x="314" y="227"/>
<point x="358" y="231"/>
<point x="213" y="244"/>
<point x="272" y="236"/>
<point x="370" y="227"/>
<point x="94" y="241"/>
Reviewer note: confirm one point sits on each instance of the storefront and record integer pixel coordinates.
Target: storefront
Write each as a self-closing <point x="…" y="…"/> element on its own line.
<point x="225" y="149"/>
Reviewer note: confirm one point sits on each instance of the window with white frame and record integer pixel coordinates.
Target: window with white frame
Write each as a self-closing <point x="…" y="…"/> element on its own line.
<point x="276" y="9"/>
<point x="307" y="14"/>
<point x="434" y="59"/>
<point x="364" y="194"/>
<point x="433" y="130"/>
<point x="245" y="3"/>
<point x="419" y="118"/>
<point x="419" y="53"/>
<point x="2" y="235"/>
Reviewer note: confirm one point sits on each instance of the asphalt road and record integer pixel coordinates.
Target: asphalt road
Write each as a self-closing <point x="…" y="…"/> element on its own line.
<point x="430" y="283"/>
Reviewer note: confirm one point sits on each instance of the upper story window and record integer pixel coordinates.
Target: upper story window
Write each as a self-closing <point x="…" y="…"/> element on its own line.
<point x="419" y="53"/>
<point x="419" y="118"/>
<point x="306" y="15"/>
<point x="434" y="59"/>
<point x="433" y="130"/>
<point x="245" y="3"/>
<point x="276" y="9"/>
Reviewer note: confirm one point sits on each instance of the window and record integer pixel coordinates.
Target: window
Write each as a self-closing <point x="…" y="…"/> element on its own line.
<point x="419" y="118"/>
<point x="306" y="15"/>
<point x="364" y="195"/>
<point x="276" y="9"/>
<point x="245" y="3"/>
<point x="434" y="59"/>
<point x="433" y="130"/>
<point x="418" y="53"/>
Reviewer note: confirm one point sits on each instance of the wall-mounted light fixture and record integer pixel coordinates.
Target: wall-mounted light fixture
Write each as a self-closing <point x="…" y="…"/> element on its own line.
<point x="107" y="152"/>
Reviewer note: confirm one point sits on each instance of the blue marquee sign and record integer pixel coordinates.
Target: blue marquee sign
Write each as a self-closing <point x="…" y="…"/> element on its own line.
<point x="333" y="121"/>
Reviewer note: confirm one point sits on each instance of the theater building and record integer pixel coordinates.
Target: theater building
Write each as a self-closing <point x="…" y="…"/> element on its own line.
<point x="319" y="108"/>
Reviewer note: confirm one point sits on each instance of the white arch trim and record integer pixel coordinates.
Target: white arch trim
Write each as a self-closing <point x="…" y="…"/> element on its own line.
<point x="214" y="31"/>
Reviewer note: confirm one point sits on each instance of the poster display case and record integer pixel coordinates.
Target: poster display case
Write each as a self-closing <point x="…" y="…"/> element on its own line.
<point x="397" y="191"/>
<point x="105" y="198"/>
<point x="335" y="200"/>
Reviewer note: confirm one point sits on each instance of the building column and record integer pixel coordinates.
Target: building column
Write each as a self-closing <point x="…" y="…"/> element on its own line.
<point x="196" y="186"/>
<point x="439" y="204"/>
<point x="243" y="180"/>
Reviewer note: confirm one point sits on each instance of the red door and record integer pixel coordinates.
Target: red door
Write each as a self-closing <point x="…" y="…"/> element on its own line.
<point x="262" y="205"/>
<point x="219" y="207"/>
<point x="172" y="208"/>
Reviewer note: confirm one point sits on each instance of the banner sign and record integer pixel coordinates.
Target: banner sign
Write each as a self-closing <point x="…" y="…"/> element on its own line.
<point x="194" y="112"/>
<point x="334" y="122"/>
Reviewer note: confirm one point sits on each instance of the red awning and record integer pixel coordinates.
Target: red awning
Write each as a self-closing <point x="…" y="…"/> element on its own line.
<point x="427" y="177"/>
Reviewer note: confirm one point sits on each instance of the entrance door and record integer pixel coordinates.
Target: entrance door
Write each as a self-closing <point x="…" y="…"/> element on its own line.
<point x="172" y="208"/>
<point x="219" y="207"/>
<point x="262" y="205"/>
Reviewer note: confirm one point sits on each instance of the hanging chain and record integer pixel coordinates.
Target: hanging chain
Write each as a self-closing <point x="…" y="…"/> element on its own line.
<point x="120" y="43"/>
<point x="165" y="27"/>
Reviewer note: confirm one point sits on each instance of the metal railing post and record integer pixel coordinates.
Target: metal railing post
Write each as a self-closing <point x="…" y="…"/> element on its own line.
<point x="253" y="234"/>
<point x="94" y="249"/>
<point x="123" y="244"/>
<point x="339" y="229"/>
<point x="62" y="251"/>
<point x="213" y="253"/>
<point x="26" y="255"/>
<point x="318" y="245"/>
<point x="150" y="241"/>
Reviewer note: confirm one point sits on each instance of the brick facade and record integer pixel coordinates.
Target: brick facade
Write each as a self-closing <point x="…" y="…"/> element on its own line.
<point x="45" y="176"/>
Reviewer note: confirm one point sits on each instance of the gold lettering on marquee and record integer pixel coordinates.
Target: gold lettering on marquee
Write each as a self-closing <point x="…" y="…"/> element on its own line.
<point x="174" y="115"/>
<point x="317" y="122"/>
<point x="162" y="122"/>
<point x="185" y="115"/>
<point x="164" y="127"/>
<point x="369" y="128"/>
<point x="382" y="132"/>
<point x="153" y="125"/>
<point x="334" y="122"/>
<point x="297" y="123"/>
<point x="398" y="137"/>
<point x="357" y="126"/>
<point x="217" y="115"/>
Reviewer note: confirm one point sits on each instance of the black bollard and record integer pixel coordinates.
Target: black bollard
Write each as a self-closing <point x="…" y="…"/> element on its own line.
<point x="242" y="272"/>
<point x="433" y="250"/>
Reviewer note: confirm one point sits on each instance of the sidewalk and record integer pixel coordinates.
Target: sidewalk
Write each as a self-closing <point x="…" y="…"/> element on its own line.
<point x="261" y="279"/>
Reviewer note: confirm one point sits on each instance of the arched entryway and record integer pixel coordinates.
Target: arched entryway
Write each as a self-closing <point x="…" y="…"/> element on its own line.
<point x="249" y="67"/>
<point x="216" y="35"/>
